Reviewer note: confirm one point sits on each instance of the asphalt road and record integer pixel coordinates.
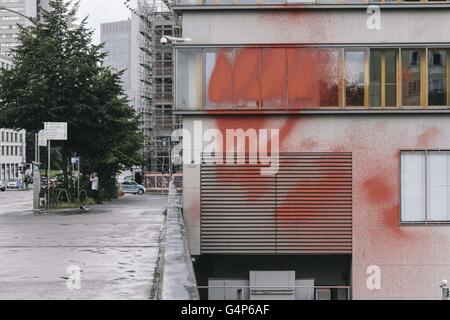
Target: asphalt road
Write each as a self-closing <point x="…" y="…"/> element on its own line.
<point x="109" y="253"/>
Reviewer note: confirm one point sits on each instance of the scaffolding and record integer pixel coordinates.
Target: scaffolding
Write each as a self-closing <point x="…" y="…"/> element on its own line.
<point x="156" y="91"/>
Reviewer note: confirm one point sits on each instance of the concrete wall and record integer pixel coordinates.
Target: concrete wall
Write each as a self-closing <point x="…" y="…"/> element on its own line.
<point x="413" y="259"/>
<point x="315" y="26"/>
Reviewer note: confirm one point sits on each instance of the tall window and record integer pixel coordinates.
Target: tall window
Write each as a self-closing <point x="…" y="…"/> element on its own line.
<point x="437" y="77"/>
<point x="273" y="77"/>
<point x="219" y="74"/>
<point x="189" y="79"/>
<point x="246" y="77"/>
<point x="328" y="77"/>
<point x="411" y="76"/>
<point x="383" y="78"/>
<point x="354" y="77"/>
<point x="302" y="77"/>
<point x="425" y="186"/>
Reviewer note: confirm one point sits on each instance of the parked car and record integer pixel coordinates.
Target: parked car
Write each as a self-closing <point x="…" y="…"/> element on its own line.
<point x="2" y="186"/>
<point x="12" y="184"/>
<point x="132" y="187"/>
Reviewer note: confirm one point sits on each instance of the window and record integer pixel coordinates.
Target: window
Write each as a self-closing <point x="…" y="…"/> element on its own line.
<point x="328" y="77"/>
<point x="310" y="78"/>
<point x="189" y="79"/>
<point x="411" y="77"/>
<point x="273" y="77"/>
<point x="219" y="73"/>
<point x="383" y="78"/>
<point x="233" y="79"/>
<point x="354" y="78"/>
<point x="437" y="77"/>
<point x="425" y="186"/>
<point x="246" y="77"/>
<point x="302" y="77"/>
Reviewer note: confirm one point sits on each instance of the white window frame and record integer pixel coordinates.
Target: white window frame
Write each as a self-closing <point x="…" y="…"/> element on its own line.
<point x="427" y="186"/>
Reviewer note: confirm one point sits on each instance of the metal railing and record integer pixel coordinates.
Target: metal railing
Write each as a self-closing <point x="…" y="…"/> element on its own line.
<point x="306" y="292"/>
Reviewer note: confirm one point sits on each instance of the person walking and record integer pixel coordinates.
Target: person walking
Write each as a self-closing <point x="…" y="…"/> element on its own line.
<point x="26" y="181"/>
<point x="94" y="187"/>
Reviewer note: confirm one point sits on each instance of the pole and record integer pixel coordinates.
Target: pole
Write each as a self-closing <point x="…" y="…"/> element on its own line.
<point x="79" y="175"/>
<point x="162" y="169"/>
<point x="170" y="160"/>
<point x="48" y="175"/>
<point x="36" y="141"/>
<point x="24" y="161"/>
<point x="36" y="175"/>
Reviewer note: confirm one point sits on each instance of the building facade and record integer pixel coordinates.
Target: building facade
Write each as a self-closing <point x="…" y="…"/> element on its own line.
<point x="316" y="147"/>
<point x="12" y="143"/>
<point x="118" y="44"/>
<point x="10" y="20"/>
<point x="12" y="153"/>
<point x="152" y="73"/>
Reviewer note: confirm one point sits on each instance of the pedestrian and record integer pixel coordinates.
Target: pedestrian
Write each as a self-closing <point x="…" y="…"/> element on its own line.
<point x="94" y="187"/>
<point x="26" y="181"/>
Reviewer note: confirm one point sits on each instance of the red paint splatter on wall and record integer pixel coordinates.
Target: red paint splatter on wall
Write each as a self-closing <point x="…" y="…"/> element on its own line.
<point x="391" y="216"/>
<point x="308" y="77"/>
<point x="273" y="84"/>
<point x="425" y="139"/>
<point x="219" y="87"/>
<point x="302" y="74"/>
<point x="377" y="189"/>
<point x="246" y="77"/>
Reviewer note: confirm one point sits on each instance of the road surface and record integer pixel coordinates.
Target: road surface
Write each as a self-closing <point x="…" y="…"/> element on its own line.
<point x="110" y="253"/>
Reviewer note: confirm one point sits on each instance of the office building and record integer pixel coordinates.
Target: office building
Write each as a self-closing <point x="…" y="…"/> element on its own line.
<point x="354" y="109"/>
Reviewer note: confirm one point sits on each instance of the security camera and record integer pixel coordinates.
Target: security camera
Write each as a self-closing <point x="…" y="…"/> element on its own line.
<point x="164" y="40"/>
<point x="443" y="284"/>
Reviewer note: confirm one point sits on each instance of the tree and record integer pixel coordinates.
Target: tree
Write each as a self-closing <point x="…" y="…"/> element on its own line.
<point x="59" y="75"/>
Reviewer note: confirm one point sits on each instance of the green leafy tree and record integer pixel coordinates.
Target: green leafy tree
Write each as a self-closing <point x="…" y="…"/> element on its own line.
<point x="58" y="75"/>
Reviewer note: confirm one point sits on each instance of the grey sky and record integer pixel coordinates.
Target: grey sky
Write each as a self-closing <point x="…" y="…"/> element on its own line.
<point x="100" y="11"/>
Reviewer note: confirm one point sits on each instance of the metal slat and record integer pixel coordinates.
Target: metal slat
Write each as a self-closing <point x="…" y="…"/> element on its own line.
<point x="305" y="209"/>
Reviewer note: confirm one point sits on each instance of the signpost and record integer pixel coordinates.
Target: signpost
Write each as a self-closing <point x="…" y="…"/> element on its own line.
<point x="75" y="160"/>
<point x="37" y="170"/>
<point x="42" y="139"/>
<point x="53" y="131"/>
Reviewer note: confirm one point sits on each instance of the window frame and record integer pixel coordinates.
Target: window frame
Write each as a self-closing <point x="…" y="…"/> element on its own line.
<point x="426" y="221"/>
<point x="341" y="66"/>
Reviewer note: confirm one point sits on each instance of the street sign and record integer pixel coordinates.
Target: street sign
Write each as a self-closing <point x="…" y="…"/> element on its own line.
<point x="42" y="139"/>
<point x="56" y="130"/>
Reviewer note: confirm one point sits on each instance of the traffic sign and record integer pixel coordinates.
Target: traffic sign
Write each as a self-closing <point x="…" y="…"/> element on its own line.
<point x="56" y="130"/>
<point x="42" y="139"/>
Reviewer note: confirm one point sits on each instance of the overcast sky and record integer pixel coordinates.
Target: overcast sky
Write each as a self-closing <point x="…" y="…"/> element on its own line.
<point x="100" y="11"/>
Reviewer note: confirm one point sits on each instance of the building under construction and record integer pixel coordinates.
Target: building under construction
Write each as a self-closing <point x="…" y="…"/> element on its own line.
<point x="154" y="76"/>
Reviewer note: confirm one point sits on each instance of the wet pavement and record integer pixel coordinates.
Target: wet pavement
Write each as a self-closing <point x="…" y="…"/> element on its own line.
<point x="110" y="253"/>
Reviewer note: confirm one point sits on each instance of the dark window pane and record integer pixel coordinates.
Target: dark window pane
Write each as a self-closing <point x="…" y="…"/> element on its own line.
<point x="390" y="60"/>
<point x="354" y="77"/>
<point x="375" y="78"/>
<point x="437" y="77"/>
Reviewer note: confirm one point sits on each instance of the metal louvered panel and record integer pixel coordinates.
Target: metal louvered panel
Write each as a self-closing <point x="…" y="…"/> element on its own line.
<point x="305" y="209"/>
